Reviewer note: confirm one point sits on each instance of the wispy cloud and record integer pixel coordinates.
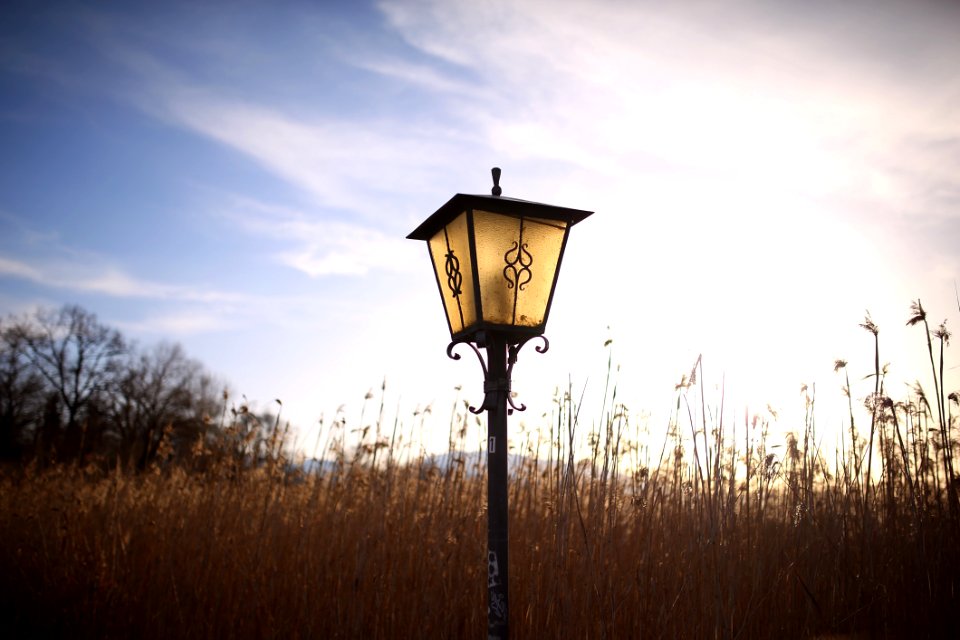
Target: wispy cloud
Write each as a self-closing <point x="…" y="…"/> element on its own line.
<point x="179" y="323"/>
<point x="419" y="74"/>
<point x="55" y="266"/>
<point x="320" y="247"/>
<point x="19" y="269"/>
<point x="345" y="162"/>
<point x="197" y="310"/>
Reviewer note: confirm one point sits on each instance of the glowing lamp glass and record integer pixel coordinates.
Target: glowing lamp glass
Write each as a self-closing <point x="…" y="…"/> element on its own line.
<point x="496" y="262"/>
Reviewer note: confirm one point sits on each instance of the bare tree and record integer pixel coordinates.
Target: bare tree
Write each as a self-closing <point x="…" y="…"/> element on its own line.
<point x="74" y="386"/>
<point x="21" y="394"/>
<point x="76" y="356"/>
<point x="156" y="390"/>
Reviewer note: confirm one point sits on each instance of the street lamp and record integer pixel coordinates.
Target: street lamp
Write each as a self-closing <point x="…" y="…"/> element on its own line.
<point x="496" y="261"/>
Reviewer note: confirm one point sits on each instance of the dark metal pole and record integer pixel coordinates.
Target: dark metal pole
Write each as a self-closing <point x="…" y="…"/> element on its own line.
<point x="497" y="389"/>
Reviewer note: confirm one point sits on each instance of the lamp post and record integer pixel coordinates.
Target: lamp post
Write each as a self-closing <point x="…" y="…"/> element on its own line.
<point x="496" y="262"/>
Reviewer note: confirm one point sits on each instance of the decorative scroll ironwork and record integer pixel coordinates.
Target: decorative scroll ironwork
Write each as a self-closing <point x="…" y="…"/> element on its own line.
<point x="456" y="356"/>
<point x="454" y="277"/>
<point x="512" y="352"/>
<point x="517" y="254"/>
<point x="490" y="386"/>
<point x="483" y="365"/>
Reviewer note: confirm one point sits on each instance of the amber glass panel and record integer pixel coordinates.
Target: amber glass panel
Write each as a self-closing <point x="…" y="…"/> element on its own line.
<point x="450" y="251"/>
<point x="516" y="263"/>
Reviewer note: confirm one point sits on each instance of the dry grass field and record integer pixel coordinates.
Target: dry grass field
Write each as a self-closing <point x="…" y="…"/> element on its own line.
<point x="792" y="550"/>
<point x="714" y="532"/>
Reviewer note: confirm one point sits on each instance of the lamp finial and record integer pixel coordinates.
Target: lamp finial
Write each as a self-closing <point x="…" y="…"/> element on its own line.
<point x="496" y="182"/>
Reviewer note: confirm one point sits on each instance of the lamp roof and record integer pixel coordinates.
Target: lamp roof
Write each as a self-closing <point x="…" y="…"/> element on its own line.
<point x="494" y="204"/>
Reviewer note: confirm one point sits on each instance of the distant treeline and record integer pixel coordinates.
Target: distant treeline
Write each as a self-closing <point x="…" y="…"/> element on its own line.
<point x="75" y="390"/>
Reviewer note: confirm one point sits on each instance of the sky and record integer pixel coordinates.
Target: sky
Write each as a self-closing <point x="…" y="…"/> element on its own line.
<point x="240" y="178"/>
